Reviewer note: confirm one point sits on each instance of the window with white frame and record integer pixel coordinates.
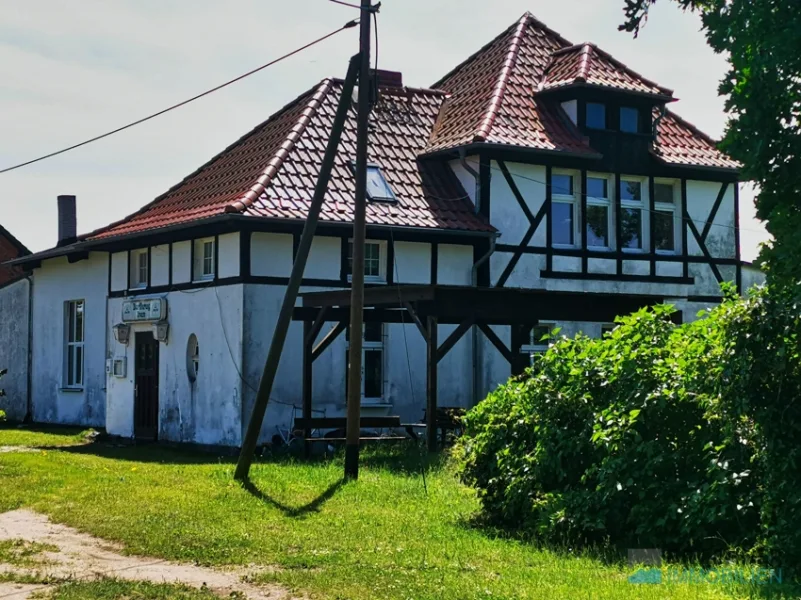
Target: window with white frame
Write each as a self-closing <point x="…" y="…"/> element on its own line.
<point x="633" y="217"/>
<point x="372" y="386"/>
<point x="73" y="343"/>
<point x="204" y="260"/>
<point x="666" y="221"/>
<point x="373" y="265"/>
<point x="599" y="212"/>
<point x="539" y="340"/>
<point x="564" y="208"/>
<point x="378" y="189"/>
<point x="139" y="268"/>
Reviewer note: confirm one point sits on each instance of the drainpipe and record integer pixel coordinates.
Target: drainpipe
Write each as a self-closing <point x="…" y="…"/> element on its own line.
<point x="29" y="378"/>
<point x="476" y="346"/>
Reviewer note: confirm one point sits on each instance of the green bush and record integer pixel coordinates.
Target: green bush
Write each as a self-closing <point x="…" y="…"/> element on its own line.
<point x="657" y="435"/>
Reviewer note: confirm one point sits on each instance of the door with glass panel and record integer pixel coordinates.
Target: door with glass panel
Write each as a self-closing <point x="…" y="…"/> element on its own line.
<point x="372" y="385"/>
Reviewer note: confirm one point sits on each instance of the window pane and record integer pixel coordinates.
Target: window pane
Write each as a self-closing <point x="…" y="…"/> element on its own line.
<point x="70" y="365"/>
<point x="663" y="230"/>
<point x="377" y="186"/>
<point x="373" y="374"/>
<point x="663" y="192"/>
<point x="79" y="321"/>
<point x="631" y="228"/>
<point x="596" y="115"/>
<point x="562" y="185"/>
<point x="372" y="332"/>
<point x="562" y="227"/>
<point x="538" y="332"/>
<point x="597" y="188"/>
<point x="629" y="119"/>
<point x="78" y="365"/>
<point x="630" y="190"/>
<point x="598" y="226"/>
<point x="71" y="321"/>
<point x="208" y="250"/>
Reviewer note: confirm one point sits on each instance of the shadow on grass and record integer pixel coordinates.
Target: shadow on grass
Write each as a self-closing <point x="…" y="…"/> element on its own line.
<point x="294" y="511"/>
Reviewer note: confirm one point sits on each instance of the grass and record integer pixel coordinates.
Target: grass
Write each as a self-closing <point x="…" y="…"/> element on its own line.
<point x="38" y="437"/>
<point x="115" y="589"/>
<point x="390" y="535"/>
<point x="19" y="553"/>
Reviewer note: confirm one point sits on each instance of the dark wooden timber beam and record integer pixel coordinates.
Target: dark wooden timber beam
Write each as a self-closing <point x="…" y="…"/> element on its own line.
<point x="315" y="329"/>
<point x="431" y="385"/>
<point x="308" y="363"/>
<point x="327" y="340"/>
<point x="453" y="338"/>
<point x="496" y="341"/>
<point x="416" y="319"/>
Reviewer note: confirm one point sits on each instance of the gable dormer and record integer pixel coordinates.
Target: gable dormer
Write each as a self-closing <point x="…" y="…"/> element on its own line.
<point x="611" y="105"/>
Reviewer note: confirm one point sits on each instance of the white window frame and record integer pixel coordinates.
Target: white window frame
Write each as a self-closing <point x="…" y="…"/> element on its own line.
<point x="643" y="206"/>
<point x="674" y="208"/>
<point x="371" y="346"/>
<point x="382" y="262"/>
<point x="74" y="379"/>
<point x="568" y="199"/>
<point x="136" y="279"/>
<point x="610" y="209"/>
<point x="204" y="268"/>
<point x="389" y="197"/>
<point x="536" y="345"/>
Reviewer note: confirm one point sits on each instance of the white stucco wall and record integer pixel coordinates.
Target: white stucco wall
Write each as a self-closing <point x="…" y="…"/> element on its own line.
<point x="14" y="313"/>
<point x="412" y="262"/>
<point x="182" y="262"/>
<point x="208" y="411"/>
<point x="228" y="255"/>
<point x="55" y="283"/>
<point x="271" y="254"/>
<point x="506" y="213"/>
<point x="160" y="265"/>
<point x="454" y="264"/>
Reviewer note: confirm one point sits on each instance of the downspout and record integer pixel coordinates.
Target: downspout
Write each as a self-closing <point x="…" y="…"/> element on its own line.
<point x="29" y="378"/>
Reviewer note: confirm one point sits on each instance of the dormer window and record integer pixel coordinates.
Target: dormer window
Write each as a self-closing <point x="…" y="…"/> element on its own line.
<point x="378" y="189"/>
<point x="596" y="115"/>
<point x="629" y="119"/>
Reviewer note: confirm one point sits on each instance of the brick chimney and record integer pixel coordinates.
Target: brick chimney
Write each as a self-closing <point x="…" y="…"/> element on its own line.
<point x="67" y="222"/>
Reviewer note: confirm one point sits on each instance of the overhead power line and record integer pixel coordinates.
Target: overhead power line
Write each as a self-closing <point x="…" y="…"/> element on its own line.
<point x="347" y="25"/>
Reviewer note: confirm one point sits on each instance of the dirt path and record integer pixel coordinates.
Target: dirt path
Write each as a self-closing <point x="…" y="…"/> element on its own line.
<point x="81" y="556"/>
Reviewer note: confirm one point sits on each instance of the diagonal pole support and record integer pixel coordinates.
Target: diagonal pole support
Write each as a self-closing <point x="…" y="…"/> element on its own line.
<point x="285" y="316"/>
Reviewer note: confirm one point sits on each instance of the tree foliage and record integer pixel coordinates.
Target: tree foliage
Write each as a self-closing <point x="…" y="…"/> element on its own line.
<point x="657" y="435"/>
<point x="762" y="39"/>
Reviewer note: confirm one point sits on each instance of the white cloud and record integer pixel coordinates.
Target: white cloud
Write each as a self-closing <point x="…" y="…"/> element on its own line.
<point x="70" y="71"/>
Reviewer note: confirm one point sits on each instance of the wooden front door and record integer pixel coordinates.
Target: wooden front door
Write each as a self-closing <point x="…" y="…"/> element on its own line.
<point x="146" y="386"/>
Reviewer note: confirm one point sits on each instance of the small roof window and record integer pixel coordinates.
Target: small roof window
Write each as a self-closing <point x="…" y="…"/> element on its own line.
<point x="378" y="189"/>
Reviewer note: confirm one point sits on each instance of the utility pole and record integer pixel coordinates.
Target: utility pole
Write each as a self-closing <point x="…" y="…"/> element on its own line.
<point x="357" y="272"/>
<point x="296" y="277"/>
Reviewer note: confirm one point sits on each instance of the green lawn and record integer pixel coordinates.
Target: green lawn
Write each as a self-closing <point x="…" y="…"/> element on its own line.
<point x="384" y="536"/>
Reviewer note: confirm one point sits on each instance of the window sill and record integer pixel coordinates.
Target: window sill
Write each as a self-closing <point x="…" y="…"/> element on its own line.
<point x="71" y="390"/>
<point x="204" y="280"/>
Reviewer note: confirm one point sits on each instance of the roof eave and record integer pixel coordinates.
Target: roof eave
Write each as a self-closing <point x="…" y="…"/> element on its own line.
<point x="583" y="84"/>
<point x="479" y="146"/>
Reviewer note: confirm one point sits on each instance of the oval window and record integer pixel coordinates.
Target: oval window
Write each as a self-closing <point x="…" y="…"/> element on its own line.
<point x="192" y="358"/>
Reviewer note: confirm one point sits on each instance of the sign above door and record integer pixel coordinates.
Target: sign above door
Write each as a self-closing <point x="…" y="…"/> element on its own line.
<point x="150" y="309"/>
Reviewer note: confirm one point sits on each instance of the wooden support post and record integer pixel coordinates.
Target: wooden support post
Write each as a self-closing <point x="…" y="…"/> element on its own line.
<point x="518" y="339"/>
<point x="308" y="342"/>
<point x="431" y="385"/>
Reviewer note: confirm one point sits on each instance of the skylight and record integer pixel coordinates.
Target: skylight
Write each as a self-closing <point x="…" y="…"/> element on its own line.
<point x="378" y="189"/>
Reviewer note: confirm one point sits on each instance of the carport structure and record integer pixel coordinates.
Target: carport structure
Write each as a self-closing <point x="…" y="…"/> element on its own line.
<point x="428" y="306"/>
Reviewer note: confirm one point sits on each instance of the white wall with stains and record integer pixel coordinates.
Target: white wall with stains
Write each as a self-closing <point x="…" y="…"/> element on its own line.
<point x="57" y="282"/>
<point x="14" y="321"/>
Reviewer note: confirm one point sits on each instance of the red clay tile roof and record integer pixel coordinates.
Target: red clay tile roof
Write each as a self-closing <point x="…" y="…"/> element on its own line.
<point x="681" y="143"/>
<point x="586" y="64"/>
<point x="492" y="95"/>
<point x="271" y="171"/>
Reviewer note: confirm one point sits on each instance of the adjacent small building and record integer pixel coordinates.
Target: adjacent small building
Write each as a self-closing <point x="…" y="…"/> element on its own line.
<point x="14" y="328"/>
<point x="535" y="165"/>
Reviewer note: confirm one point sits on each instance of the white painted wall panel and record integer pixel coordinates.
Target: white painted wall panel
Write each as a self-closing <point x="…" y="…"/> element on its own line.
<point x="571" y="264"/>
<point x="160" y="265"/>
<point x="412" y="262"/>
<point x="506" y="213"/>
<point x="119" y="271"/>
<point x="455" y="264"/>
<point x="324" y="258"/>
<point x="669" y="269"/>
<point x="467" y="180"/>
<point x="271" y="254"/>
<point x="182" y="262"/>
<point x="228" y="255"/>
<point x="636" y="267"/>
<point x="602" y="265"/>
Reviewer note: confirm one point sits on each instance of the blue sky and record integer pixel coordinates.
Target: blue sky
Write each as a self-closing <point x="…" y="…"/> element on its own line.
<point x="69" y="71"/>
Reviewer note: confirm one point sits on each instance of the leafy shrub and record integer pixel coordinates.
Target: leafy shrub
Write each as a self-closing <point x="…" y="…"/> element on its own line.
<point x="684" y="437"/>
